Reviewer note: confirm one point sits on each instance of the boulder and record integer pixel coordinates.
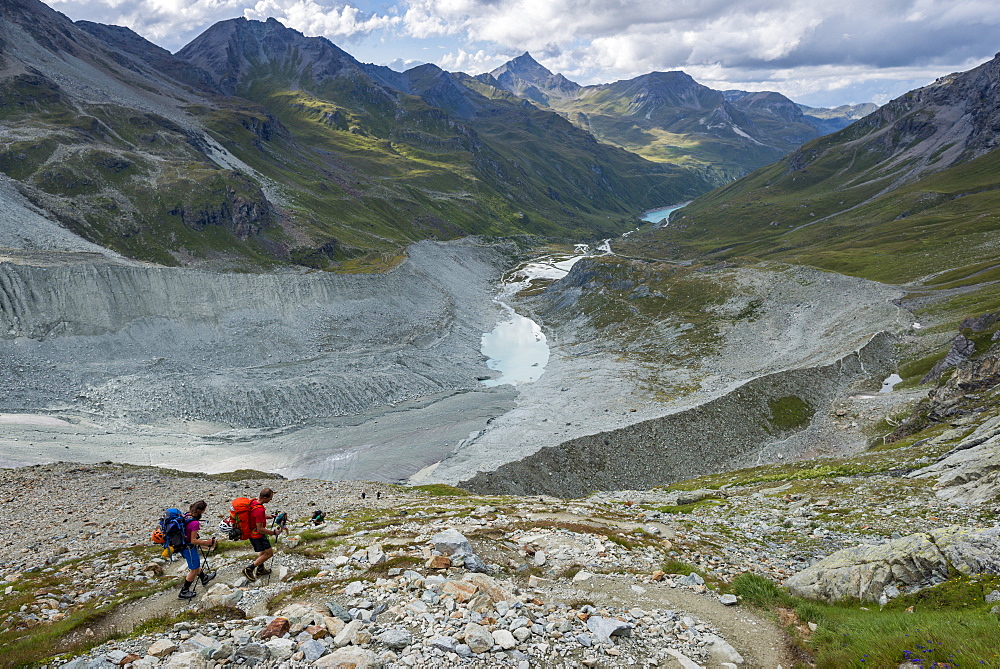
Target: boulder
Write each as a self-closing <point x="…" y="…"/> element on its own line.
<point x="692" y="496"/>
<point x="346" y="635"/>
<point x="679" y="660"/>
<point x="438" y="562"/>
<point x="604" y="628"/>
<point x="199" y="642"/>
<point x="396" y="639"/>
<point x="222" y="594"/>
<point x="192" y="659"/>
<point x="504" y="638"/>
<point x="251" y="654"/>
<point x="312" y="650"/>
<point x="461" y="590"/>
<point x="720" y="651"/>
<point x="491" y="587"/>
<point x="161" y="648"/>
<point x="280" y="649"/>
<point x="907" y="564"/>
<point x="276" y="628"/>
<point x="451" y="542"/>
<point x="376" y="555"/>
<point x="350" y="657"/>
<point x="478" y="638"/>
<point x="333" y="625"/>
<point x="338" y="611"/>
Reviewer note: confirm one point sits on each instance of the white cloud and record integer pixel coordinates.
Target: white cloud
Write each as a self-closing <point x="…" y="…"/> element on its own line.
<point x="312" y="18"/>
<point x="465" y="61"/>
<point x="789" y="45"/>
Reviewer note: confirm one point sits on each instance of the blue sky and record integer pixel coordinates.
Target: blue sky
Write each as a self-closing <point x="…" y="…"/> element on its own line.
<point x="816" y="52"/>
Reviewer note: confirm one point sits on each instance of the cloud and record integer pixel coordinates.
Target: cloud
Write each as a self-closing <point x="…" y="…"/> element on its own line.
<point x="312" y="18"/>
<point x="465" y="61"/>
<point x="603" y="39"/>
<point x="803" y="46"/>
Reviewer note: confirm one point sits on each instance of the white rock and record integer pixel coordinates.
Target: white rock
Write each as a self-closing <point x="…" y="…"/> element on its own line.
<point x="504" y="639"/>
<point x="720" y="651"/>
<point x="161" y="648"/>
<point x="281" y="649"/>
<point x="346" y="635"/>
<point x="351" y="657"/>
<point x="582" y="575"/>
<point x="451" y="542"/>
<point x="683" y="661"/>
<point x="192" y="659"/>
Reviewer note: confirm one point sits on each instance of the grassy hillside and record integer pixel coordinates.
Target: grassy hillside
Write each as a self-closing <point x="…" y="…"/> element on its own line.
<point x="334" y="162"/>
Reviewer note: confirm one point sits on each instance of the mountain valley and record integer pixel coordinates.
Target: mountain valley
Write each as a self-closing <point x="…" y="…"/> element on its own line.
<point x="765" y="431"/>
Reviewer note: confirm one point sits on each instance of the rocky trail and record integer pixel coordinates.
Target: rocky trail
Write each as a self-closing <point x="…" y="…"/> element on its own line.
<point x="408" y="577"/>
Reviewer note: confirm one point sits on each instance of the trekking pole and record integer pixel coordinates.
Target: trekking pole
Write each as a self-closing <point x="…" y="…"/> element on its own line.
<point x="280" y="521"/>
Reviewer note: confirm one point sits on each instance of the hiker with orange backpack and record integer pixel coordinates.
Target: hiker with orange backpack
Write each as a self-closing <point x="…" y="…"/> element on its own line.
<point x="190" y="550"/>
<point x="258" y="529"/>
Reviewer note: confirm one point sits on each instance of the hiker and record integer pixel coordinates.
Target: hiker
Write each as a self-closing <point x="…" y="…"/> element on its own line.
<point x="362" y="494"/>
<point x="258" y="525"/>
<point x="378" y="495"/>
<point x="190" y="550"/>
<point x="318" y="517"/>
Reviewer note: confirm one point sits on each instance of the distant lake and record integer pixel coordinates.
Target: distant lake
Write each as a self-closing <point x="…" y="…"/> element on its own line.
<point x="659" y="216"/>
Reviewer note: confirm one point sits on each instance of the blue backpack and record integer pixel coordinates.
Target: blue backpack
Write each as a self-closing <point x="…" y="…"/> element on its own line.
<point x="173" y="525"/>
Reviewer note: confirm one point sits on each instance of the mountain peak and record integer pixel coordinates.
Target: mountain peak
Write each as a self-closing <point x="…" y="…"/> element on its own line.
<point x="524" y="67"/>
<point x="526" y="77"/>
<point x="232" y="49"/>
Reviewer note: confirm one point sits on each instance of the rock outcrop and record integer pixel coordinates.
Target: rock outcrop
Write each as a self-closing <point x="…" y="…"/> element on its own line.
<point x="881" y="572"/>
<point x="969" y="473"/>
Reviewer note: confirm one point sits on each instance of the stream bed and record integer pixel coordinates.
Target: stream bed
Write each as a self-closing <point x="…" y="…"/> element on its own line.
<point x="517" y="347"/>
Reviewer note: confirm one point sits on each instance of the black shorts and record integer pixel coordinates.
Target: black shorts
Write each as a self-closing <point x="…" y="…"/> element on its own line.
<point x="260" y="543"/>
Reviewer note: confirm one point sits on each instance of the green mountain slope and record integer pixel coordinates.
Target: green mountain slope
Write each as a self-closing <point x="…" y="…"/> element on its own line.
<point x="908" y="195"/>
<point x="668" y="117"/>
<point x="471" y="163"/>
<point x="255" y="145"/>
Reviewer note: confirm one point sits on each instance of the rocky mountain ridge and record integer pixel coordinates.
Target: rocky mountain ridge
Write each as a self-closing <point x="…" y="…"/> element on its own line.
<point x="316" y="160"/>
<point x="737" y="131"/>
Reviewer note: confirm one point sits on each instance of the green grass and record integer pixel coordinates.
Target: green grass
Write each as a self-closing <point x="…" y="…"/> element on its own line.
<point x="442" y="490"/>
<point x="790" y="412"/>
<point x="31" y="646"/>
<point x="678" y="567"/>
<point x="945" y="222"/>
<point x="688" y="508"/>
<point x="949" y="623"/>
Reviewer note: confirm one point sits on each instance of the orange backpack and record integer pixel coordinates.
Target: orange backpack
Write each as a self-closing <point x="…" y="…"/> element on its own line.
<point x="239" y="512"/>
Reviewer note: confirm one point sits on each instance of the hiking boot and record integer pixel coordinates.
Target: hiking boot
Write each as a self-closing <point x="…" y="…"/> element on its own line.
<point x="186" y="591"/>
<point x="249" y="573"/>
<point x="262" y="570"/>
<point x="206" y="577"/>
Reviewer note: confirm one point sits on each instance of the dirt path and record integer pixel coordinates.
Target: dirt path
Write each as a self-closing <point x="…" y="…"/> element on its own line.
<point x="758" y="640"/>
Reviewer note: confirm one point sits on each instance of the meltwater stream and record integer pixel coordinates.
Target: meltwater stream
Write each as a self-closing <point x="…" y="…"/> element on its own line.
<point x="517" y="347"/>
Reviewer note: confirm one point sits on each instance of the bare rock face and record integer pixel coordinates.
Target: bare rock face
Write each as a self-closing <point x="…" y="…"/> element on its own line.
<point x="960" y="351"/>
<point x="969" y="473"/>
<point x="878" y="573"/>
